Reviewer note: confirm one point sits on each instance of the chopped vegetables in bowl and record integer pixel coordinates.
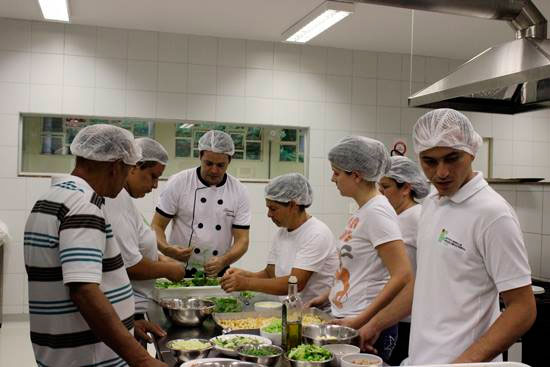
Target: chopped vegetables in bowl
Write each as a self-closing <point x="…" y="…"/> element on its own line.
<point x="228" y="343"/>
<point x="275" y="327"/>
<point x="310" y="353"/>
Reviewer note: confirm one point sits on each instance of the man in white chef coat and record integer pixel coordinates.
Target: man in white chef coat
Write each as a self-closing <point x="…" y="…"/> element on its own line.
<point x="470" y="251"/>
<point x="210" y="210"/>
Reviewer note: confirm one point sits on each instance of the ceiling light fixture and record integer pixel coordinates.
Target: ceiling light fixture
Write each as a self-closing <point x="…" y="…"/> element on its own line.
<point x="57" y="10"/>
<point x="318" y="20"/>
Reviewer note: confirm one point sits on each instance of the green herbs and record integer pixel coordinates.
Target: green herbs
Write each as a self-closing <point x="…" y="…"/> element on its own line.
<point x="275" y="327"/>
<point x="198" y="280"/>
<point x="234" y="342"/>
<point x="226" y="304"/>
<point x="259" y="352"/>
<point x="248" y="295"/>
<point x="310" y="352"/>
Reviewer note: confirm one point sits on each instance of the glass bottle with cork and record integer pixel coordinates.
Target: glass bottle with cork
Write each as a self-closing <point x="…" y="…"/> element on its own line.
<point x="292" y="316"/>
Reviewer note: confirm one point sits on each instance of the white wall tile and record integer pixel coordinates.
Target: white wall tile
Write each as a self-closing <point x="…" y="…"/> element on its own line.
<point x="231" y="81"/>
<point x="14" y="261"/>
<point x="13" y="289"/>
<point x="171" y="105"/>
<point x="15" y="220"/>
<point x="388" y="93"/>
<point x="286" y="112"/>
<point x="201" y="107"/>
<point x="109" y="102"/>
<point x="529" y="210"/>
<point x="333" y="202"/>
<point x="286" y="85"/>
<point x="110" y="73"/>
<point x="503" y="127"/>
<point x="12" y="195"/>
<point x="388" y="120"/>
<point x="339" y="61"/>
<point x="78" y="100"/>
<point x="503" y="152"/>
<point x="10" y="130"/>
<point x="112" y="42"/>
<point x="80" y="40"/>
<point x="338" y="89"/>
<point x="16" y="66"/>
<point x="364" y="91"/>
<point x="259" y="110"/>
<point x="541" y="129"/>
<point x="15" y="97"/>
<point x="418" y="68"/>
<point x="545" y="257"/>
<point x="173" y="47"/>
<point x="409" y="116"/>
<point x="312" y="114"/>
<point x="140" y="103"/>
<point x="287" y="57"/>
<point x="338" y="116"/>
<point x="259" y="83"/>
<point x="231" y="52"/>
<point x="259" y="54"/>
<point x="408" y="89"/>
<point x="79" y="71"/>
<point x="202" y="79"/>
<point x="230" y="109"/>
<point x="46" y="98"/>
<point x="142" y="75"/>
<point x="316" y="175"/>
<point x="509" y="196"/>
<point x="203" y="50"/>
<point x="46" y="69"/>
<point x="317" y="148"/>
<point x="48" y="37"/>
<point x="503" y="171"/>
<point x="313" y="87"/>
<point x="436" y="68"/>
<point x="546" y="213"/>
<point x="523" y="128"/>
<point x="363" y="118"/>
<point x="482" y="122"/>
<point x="522" y="171"/>
<point x="331" y="138"/>
<point x="523" y="153"/>
<point x="313" y="59"/>
<point x="540" y="154"/>
<point x="365" y="64"/>
<point x="533" y="243"/>
<point x="389" y="66"/>
<point x="142" y="45"/>
<point x="172" y="77"/>
<point x="15" y="35"/>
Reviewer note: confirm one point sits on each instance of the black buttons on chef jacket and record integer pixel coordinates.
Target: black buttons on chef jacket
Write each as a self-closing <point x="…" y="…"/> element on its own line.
<point x="203" y="200"/>
<point x="200" y="225"/>
<point x="215" y="252"/>
<point x="218" y="227"/>
<point x="220" y="202"/>
<point x="197" y="250"/>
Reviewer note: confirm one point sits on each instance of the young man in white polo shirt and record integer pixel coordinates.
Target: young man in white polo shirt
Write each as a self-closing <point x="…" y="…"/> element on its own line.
<point x="470" y="250"/>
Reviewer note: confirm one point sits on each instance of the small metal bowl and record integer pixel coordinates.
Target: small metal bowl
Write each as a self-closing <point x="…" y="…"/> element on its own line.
<point x="187" y="311"/>
<point x="269" y="360"/>
<point x="296" y="363"/>
<point x="187" y="355"/>
<point x="329" y="334"/>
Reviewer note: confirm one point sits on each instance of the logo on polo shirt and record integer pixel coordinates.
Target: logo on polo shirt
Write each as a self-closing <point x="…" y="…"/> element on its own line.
<point x="229" y="212"/>
<point x="446" y="240"/>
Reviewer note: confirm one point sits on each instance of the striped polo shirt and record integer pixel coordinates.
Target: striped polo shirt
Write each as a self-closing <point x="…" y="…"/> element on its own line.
<point x="67" y="239"/>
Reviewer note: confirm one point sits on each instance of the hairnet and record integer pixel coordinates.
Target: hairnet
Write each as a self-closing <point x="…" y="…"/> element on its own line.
<point x="403" y="170"/>
<point x="106" y="143"/>
<point x="366" y="156"/>
<point x="290" y="187"/>
<point x="445" y="127"/>
<point x="218" y="142"/>
<point x="152" y="151"/>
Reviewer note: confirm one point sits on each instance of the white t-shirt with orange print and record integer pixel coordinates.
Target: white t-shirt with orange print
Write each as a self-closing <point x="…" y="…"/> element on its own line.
<point x="362" y="274"/>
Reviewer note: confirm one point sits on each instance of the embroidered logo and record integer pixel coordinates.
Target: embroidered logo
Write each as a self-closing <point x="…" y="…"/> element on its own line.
<point x="446" y="240"/>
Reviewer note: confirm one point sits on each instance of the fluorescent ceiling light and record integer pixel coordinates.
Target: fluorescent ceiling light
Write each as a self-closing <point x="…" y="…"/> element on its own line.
<point x="57" y="10"/>
<point x="318" y="20"/>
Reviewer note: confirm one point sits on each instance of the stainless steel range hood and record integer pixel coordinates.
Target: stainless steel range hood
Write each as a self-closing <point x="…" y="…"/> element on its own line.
<point x="509" y="78"/>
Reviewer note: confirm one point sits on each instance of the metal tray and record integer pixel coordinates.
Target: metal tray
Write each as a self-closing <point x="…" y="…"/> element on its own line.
<point x="204" y="291"/>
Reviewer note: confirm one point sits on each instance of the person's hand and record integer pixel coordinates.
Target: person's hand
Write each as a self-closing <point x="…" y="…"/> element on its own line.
<point x="150" y="362"/>
<point x="177" y="271"/>
<point x="234" y="283"/>
<point x="166" y="259"/>
<point x="314" y="302"/>
<point x="178" y="252"/>
<point x="234" y="271"/>
<point x="142" y="327"/>
<point x="213" y="266"/>
<point x="348" y="321"/>
<point x="368" y="336"/>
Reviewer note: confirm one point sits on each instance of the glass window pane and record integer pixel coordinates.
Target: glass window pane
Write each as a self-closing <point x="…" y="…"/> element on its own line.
<point x="70" y="134"/>
<point x="238" y="140"/>
<point x="142" y="129"/>
<point x="238" y="155"/>
<point x="301" y="158"/>
<point x="287" y="153"/>
<point x="197" y="135"/>
<point x="254" y="133"/>
<point x="253" y="151"/>
<point x="183" y="147"/>
<point x="288" y="134"/>
<point x="52" y="125"/>
<point x="183" y="130"/>
<point x="52" y="144"/>
<point x="196" y="153"/>
<point x="301" y="144"/>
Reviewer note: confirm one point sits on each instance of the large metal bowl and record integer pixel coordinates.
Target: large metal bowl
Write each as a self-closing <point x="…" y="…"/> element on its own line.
<point x="219" y="362"/>
<point x="269" y="360"/>
<point x="187" y="355"/>
<point x="187" y="311"/>
<point x="296" y="363"/>
<point x="329" y="334"/>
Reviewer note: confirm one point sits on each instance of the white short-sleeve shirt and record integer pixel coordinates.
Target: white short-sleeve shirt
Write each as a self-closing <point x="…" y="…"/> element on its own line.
<point x="362" y="274"/>
<point x="310" y="247"/>
<point x="469" y="249"/>
<point x="135" y="239"/>
<point x="204" y="216"/>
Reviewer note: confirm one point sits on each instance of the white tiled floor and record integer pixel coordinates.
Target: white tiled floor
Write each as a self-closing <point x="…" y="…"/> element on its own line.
<point x="15" y="343"/>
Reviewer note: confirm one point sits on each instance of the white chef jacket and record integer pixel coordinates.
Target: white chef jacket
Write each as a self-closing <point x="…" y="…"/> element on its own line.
<point x="372" y="225"/>
<point x="469" y="249"/>
<point x="135" y="239"/>
<point x="204" y="216"/>
<point x="310" y="247"/>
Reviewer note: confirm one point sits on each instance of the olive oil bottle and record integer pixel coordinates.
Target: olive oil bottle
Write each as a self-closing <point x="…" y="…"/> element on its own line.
<point x="292" y="316"/>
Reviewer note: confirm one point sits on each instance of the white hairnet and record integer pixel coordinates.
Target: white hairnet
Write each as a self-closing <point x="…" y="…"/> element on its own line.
<point x="218" y="142"/>
<point x="106" y="143"/>
<point x="366" y="156"/>
<point x="445" y="127"/>
<point x="403" y="170"/>
<point x="152" y="150"/>
<point x="290" y="187"/>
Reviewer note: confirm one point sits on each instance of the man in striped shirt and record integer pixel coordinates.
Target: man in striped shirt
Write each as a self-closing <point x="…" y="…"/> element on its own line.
<point x="80" y="299"/>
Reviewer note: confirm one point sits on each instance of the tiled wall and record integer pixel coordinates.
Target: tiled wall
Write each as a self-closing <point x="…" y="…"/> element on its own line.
<point x="56" y="68"/>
